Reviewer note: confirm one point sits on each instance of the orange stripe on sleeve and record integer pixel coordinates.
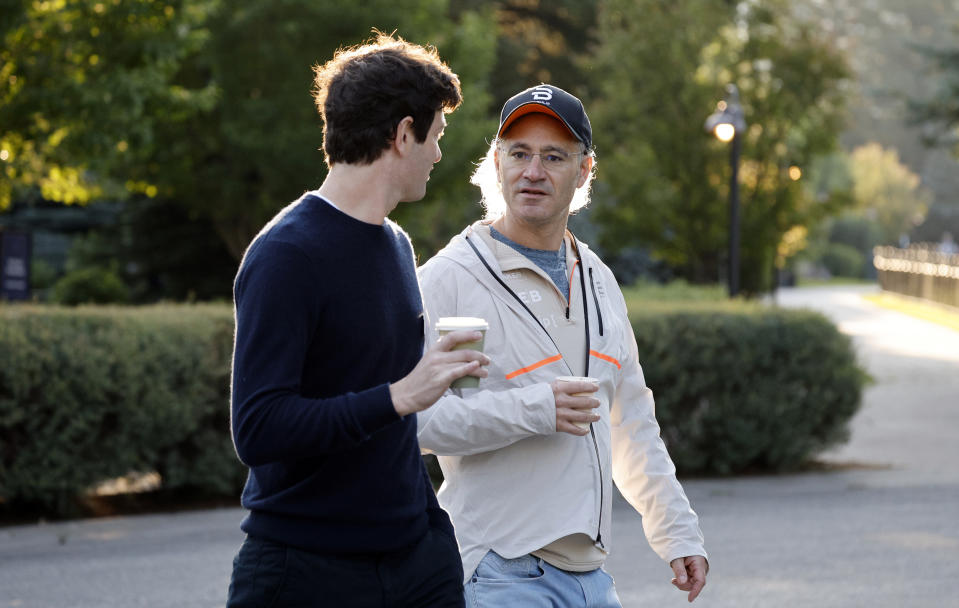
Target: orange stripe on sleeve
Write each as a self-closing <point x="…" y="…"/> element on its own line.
<point x="600" y="355"/>
<point x="530" y="368"/>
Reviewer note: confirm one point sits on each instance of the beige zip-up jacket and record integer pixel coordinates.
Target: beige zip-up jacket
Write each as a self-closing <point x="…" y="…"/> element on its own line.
<point x="512" y="483"/>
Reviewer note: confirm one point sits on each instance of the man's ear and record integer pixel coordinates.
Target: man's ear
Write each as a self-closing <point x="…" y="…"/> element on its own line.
<point x="404" y="135"/>
<point x="584" y="168"/>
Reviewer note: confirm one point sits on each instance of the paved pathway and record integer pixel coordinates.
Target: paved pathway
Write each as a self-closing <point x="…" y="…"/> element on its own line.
<point x="882" y="533"/>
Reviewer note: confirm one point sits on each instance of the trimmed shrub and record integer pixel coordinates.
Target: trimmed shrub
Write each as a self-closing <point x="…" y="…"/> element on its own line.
<point x="843" y="260"/>
<point x="90" y="285"/>
<point x="42" y="274"/>
<point x="94" y="393"/>
<point x="753" y="389"/>
<point x="860" y="233"/>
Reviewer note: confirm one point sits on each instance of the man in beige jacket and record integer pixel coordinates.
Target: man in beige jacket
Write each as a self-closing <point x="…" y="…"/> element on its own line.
<point x="529" y="465"/>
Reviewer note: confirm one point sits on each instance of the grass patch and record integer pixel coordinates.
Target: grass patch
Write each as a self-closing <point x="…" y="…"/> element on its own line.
<point x="656" y="298"/>
<point x="914" y="307"/>
<point x="675" y="291"/>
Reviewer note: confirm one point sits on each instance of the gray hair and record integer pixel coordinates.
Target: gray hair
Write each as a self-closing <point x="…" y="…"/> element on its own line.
<point x="486" y="179"/>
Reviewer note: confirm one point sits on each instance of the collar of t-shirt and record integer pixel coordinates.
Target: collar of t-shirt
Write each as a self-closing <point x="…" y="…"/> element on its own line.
<point x="553" y="263"/>
<point x="338" y="208"/>
<point x="317" y="194"/>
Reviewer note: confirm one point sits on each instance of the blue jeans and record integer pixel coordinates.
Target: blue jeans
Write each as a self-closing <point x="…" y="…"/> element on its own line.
<point x="529" y="582"/>
<point x="272" y="575"/>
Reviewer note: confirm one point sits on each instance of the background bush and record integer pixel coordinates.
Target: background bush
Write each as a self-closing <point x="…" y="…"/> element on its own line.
<point x="93" y="393"/>
<point x="843" y="260"/>
<point x="745" y="388"/>
<point x="89" y="394"/>
<point x="90" y="285"/>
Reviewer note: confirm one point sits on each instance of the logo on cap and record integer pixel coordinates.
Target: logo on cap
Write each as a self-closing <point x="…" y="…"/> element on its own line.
<point x="542" y="93"/>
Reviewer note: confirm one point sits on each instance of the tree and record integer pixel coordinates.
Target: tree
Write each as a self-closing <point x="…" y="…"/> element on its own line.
<point x="259" y="146"/>
<point x="647" y="111"/>
<point x="199" y="115"/>
<point x="451" y="202"/>
<point x="794" y="79"/>
<point x="536" y="41"/>
<point x="886" y="191"/>
<point x="938" y="114"/>
<point x="665" y="181"/>
<point x="206" y="105"/>
<point x="85" y="85"/>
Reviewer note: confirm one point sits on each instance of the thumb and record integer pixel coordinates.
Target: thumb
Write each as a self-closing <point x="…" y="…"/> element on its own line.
<point x="679" y="569"/>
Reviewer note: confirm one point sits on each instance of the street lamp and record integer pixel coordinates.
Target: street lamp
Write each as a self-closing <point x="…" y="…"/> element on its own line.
<point x="727" y="124"/>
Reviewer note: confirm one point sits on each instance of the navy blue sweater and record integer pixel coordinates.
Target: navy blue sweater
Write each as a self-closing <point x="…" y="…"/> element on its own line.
<point x="328" y="313"/>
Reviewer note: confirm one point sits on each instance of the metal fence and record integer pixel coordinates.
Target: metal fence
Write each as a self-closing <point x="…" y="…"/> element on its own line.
<point x="919" y="271"/>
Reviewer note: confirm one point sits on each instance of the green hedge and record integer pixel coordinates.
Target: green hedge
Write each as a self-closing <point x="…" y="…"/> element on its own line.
<point x="90" y="285"/>
<point x="743" y="388"/>
<point x="92" y="393"/>
<point x="843" y="260"/>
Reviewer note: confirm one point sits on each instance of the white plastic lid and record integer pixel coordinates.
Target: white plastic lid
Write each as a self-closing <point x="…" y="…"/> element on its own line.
<point x="578" y="379"/>
<point x="457" y="323"/>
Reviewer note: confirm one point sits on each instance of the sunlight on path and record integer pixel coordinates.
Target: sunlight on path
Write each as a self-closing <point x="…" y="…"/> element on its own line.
<point x="876" y="327"/>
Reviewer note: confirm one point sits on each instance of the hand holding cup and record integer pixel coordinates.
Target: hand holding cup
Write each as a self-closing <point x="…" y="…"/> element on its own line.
<point x="451" y="358"/>
<point x="574" y="403"/>
<point x="446" y="325"/>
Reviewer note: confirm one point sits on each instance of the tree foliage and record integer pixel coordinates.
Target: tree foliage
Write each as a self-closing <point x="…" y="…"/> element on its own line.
<point x="451" y="202"/>
<point x="885" y="190"/>
<point x="647" y="112"/>
<point x="205" y="106"/>
<point x="667" y="182"/>
<point x="938" y="115"/>
<point x="540" y="41"/>
<point x="882" y="202"/>
<point x="940" y="110"/>
<point x="208" y="103"/>
<point x="260" y="146"/>
<point x="85" y="86"/>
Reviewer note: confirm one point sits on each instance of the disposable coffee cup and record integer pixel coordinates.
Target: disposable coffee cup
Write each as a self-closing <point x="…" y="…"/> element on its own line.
<point x="447" y="324"/>
<point x="593" y="381"/>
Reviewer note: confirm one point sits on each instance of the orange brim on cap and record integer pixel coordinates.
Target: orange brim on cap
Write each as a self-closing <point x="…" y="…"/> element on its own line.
<point x="531" y="108"/>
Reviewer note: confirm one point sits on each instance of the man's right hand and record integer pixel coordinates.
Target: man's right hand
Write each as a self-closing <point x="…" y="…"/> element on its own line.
<point x="438" y="368"/>
<point x="570" y="409"/>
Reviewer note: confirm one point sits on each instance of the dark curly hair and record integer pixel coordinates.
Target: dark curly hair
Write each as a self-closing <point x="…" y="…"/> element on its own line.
<point x="365" y="91"/>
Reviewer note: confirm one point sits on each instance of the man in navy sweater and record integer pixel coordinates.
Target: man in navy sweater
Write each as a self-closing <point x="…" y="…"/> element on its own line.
<point x="328" y="365"/>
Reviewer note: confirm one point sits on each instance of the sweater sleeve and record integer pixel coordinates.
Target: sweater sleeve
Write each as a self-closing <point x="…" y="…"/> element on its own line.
<point x="278" y="308"/>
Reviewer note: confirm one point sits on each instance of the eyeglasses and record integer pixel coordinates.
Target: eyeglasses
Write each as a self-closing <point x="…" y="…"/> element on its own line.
<point x="554" y="160"/>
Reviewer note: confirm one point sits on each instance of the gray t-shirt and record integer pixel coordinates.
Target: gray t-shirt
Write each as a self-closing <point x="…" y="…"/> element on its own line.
<point x="553" y="263"/>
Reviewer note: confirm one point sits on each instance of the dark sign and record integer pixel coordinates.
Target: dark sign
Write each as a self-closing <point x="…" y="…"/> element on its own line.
<point x="14" y="265"/>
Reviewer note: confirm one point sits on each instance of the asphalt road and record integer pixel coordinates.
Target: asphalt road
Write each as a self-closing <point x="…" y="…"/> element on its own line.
<point x="880" y="529"/>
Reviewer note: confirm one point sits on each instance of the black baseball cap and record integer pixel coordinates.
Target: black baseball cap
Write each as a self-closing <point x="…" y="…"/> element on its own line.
<point x="553" y="101"/>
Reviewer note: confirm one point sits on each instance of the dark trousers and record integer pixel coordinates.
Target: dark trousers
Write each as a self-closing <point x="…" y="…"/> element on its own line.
<point x="428" y="574"/>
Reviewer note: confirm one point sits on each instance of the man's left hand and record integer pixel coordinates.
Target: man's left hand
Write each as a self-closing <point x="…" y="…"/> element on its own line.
<point x="690" y="574"/>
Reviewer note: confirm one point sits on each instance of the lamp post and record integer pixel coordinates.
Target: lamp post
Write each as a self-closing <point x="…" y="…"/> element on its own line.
<point x="727" y="123"/>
